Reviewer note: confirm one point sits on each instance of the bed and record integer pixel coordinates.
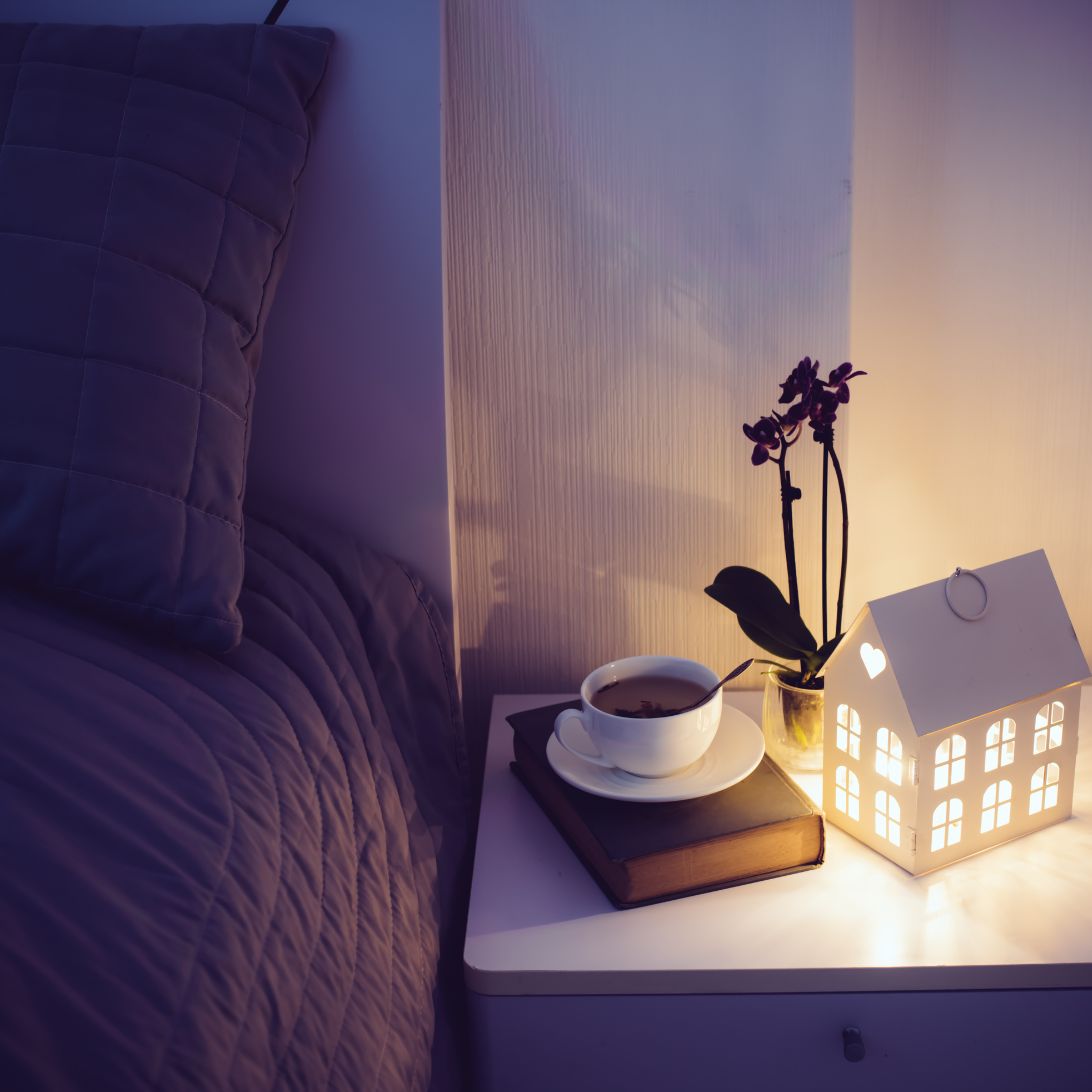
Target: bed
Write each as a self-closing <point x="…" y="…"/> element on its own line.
<point x="234" y="803"/>
<point x="232" y="871"/>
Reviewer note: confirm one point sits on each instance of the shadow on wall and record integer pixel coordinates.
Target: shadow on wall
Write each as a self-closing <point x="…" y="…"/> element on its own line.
<point x="635" y="258"/>
<point x="606" y="583"/>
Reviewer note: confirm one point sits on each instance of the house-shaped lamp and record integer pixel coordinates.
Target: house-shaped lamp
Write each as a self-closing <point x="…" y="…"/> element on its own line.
<point x="950" y="715"/>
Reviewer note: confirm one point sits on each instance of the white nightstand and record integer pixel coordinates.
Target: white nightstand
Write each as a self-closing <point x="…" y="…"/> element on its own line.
<point x="977" y="976"/>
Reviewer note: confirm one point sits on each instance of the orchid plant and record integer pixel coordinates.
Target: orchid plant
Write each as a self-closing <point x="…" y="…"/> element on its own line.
<point x="763" y="613"/>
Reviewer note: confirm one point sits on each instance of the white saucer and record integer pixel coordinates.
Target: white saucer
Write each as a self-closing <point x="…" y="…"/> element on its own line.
<point x="735" y="751"/>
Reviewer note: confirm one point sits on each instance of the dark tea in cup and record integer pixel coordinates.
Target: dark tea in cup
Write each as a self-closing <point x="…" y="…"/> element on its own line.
<point x="647" y="696"/>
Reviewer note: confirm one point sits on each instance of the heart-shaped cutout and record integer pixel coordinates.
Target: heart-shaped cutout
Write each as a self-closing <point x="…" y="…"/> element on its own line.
<point x="874" y="659"/>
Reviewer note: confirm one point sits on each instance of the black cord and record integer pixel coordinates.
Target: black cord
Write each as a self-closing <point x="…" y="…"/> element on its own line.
<point x="275" y="12"/>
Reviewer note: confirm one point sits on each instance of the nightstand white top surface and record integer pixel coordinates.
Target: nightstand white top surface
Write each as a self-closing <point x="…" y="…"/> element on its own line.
<point x="1017" y="916"/>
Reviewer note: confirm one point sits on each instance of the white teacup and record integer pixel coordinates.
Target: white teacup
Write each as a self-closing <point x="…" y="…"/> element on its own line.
<point x="646" y="746"/>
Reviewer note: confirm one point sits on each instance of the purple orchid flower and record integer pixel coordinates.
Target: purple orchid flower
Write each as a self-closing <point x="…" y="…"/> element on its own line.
<point x="765" y="436"/>
<point x="838" y="380"/>
<point x="823" y="412"/>
<point x="800" y="382"/>
<point x="794" y="416"/>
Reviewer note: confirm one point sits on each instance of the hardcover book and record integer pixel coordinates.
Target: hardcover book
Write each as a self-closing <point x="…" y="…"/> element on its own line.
<point x="763" y="826"/>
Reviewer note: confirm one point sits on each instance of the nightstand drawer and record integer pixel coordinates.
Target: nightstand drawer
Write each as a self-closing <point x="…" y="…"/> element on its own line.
<point x="935" y="1041"/>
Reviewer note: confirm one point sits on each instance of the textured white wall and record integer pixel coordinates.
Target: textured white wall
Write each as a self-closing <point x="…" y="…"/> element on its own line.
<point x="648" y="224"/>
<point x="349" y="420"/>
<point x="972" y="291"/>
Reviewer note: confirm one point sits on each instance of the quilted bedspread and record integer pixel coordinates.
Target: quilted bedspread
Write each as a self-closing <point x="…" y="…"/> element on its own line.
<point x="237" y="871"/>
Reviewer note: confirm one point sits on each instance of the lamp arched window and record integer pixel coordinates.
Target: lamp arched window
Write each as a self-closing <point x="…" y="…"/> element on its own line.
<point x="848" y="735"/>
<point x="889" y="755"/>
<point x="996" y="806"/>
<point x="1044" y="788"/>
<point x="1000" y="744"/>
<point x="947" y="823"/>
<point x="847" y="792"/>
<point x="888" y="814"/>
<point x="951" y="762"/>
<point x="1048" y="727"/>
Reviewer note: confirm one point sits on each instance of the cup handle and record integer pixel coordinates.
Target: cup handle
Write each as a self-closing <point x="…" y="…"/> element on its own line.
<point x="563" y="718"/>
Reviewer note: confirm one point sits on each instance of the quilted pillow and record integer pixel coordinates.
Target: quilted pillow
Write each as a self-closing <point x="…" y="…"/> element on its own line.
<point x="147" y="178"/>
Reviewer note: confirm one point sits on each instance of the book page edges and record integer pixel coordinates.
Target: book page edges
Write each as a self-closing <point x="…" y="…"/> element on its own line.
<point x="793" y="845"/>
<point x="738" y="856"/>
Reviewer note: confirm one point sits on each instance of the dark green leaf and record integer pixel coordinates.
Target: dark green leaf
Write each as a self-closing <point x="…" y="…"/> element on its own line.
<point x="824" y="652"/>
<point x="756" y="599"/>
<point x="767" y="641"/>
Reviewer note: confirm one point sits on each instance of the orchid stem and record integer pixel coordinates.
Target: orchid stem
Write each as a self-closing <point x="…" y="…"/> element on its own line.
<point x="845" y="532"/>
<point x="823" y="585"/>
<point x="789" y="493"/>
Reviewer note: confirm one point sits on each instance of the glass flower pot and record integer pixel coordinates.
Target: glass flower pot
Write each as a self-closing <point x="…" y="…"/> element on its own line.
<point x="792" y="725"/>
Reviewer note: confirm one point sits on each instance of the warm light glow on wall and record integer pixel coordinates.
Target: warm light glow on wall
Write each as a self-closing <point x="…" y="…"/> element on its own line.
<point x="970" y="119"/>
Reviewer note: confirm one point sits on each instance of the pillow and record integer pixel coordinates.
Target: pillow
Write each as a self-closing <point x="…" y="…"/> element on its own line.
<point x="147" y="178"/>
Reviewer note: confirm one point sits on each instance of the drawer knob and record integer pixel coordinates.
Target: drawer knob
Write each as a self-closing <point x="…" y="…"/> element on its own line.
<point x="852" y="1044"/>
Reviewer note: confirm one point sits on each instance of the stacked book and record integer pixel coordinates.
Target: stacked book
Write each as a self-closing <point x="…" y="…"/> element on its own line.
<point x="761" y="827"/>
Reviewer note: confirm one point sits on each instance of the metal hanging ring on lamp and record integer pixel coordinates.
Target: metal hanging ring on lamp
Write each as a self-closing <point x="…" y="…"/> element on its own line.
<point x="985" y="595"/>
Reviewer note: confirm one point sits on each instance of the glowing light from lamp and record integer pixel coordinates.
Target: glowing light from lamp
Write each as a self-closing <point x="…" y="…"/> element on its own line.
<point x="951" y="762"/>
<point x="848" y="735"/>
<point x="947" y="823"/>
<point x="888" y="815"/>
<point x="1044" y="788"/>
<point x="847" y="792"/>
<point x="1000" y="744"/>
<point x="1048" y="727"/>
<point x="874" y="660"/>
<point x="889" y="755"/>
<point x="996" y="806"/>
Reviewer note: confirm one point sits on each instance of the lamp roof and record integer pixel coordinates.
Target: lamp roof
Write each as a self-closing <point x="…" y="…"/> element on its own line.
<point x="950" y="670"/>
